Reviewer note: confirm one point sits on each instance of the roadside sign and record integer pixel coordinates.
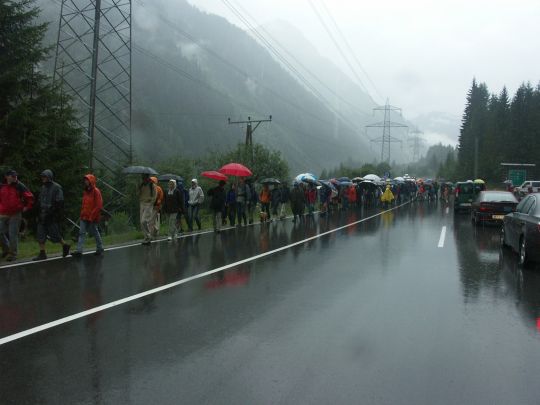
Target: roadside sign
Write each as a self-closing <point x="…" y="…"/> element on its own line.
<point x="517" y="176"/>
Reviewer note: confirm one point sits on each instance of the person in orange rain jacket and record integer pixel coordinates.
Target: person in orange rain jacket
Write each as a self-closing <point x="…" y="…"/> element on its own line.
<point x="265" y="197"/>
<point x="157" y="207"/>
<point x="92" y="204"/>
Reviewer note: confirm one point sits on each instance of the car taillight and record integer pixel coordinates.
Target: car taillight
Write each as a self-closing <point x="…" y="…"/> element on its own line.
<point x="484" y="207"/>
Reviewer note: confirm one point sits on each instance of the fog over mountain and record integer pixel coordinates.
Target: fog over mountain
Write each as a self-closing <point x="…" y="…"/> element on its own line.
<point x="192" y="70"/>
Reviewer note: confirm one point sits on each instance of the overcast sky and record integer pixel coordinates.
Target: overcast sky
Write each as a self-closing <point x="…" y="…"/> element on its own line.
<point x="421" y="54"/>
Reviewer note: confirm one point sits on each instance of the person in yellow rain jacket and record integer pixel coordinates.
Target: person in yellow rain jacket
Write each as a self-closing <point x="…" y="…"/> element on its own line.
<point x="387" y="196"/>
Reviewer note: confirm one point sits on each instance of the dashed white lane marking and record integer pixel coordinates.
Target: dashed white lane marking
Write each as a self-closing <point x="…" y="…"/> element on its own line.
<point x="447" y="210"/>
<point x="443" y="236"/>
<point x="112" y="304"/>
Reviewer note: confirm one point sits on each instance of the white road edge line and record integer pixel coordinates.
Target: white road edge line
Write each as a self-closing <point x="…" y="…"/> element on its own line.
<point x="89" y="252"/>
<point x="112" y="304"/>
<point x="443" y="236"/>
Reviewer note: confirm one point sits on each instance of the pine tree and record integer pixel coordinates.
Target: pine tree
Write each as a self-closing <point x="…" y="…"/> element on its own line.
<point x="37" y="123"/>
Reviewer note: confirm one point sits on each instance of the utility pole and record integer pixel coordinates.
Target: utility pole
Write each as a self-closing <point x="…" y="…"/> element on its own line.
<point x="93" y="62"/>
<point x="386" y="139"/>
<point x="416" y="143"/>
<point x="249" y="128"/>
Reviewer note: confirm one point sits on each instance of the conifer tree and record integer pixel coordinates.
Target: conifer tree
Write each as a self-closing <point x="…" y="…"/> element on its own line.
<point x="37" y="123"/>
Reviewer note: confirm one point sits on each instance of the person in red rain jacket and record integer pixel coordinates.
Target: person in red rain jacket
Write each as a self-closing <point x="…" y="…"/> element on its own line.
<point x="15" y="199"/>
<point x="92" y="203"/>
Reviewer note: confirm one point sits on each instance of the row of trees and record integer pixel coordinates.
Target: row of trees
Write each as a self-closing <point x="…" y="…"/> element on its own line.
<point x="497" y="129"/>
<point x="38" y="128"/>
<point x="37" y="123"/>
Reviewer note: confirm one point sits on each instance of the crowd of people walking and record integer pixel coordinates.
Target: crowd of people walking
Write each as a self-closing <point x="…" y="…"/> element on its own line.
<point x="235" y="204"/>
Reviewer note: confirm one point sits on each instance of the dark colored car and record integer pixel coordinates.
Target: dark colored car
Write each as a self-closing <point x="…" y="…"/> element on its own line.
<point x="492" y="206"/>
<point x="464" y="195"/>
<point x="521" y="229"/>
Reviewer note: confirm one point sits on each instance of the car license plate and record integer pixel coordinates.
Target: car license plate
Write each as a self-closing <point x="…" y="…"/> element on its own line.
<point x="498" y="217"/>
<point x="466" y="204"/>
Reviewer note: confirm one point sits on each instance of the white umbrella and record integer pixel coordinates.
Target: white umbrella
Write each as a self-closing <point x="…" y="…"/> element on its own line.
<point x="372" y="177"/>
<point x="399" y="178"/>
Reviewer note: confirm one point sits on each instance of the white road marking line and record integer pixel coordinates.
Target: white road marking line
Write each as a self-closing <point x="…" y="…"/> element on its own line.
<point x="443" y="236"/>
<point x="447" y="210"/>
<point x="89" y="252"/>
<point x="112" y="304"/>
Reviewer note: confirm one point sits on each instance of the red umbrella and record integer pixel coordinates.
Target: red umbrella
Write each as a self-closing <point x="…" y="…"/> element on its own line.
<point x="212" y="174"/>
<point x="236" y="169"/>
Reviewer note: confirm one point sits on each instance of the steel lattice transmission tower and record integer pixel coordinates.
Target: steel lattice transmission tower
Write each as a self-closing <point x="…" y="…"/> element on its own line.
<point x="416" y="143"/>
<point x="386" y="139"/>
<point x="93" y="65"/>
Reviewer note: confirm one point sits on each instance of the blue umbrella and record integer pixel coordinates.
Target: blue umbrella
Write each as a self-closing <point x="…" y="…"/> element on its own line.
<point x="345" y="183"/>
<point x="342" y="179"/>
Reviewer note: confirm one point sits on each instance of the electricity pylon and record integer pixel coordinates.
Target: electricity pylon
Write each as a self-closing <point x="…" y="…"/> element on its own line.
<point x="93" y="65"/>
<point x="416" y="143"/>
<point x="386" y="139"/>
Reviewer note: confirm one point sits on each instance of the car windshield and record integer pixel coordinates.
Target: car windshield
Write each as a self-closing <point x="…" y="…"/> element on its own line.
<point x="498" y="197"/>
<point x="466" y="188"/>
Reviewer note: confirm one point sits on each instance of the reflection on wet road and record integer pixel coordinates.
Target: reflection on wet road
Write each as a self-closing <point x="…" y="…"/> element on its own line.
<point x="373" y="313"/>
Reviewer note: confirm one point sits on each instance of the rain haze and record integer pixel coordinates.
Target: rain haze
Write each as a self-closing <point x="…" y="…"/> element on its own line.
<point x="422" y="55"/>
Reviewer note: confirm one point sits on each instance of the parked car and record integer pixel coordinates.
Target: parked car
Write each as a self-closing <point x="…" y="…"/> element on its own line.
<point x="521" y="229"/>
<point x="463" y="195"/>
<point x="492" y="206"/>
<point x="528" y="187"/>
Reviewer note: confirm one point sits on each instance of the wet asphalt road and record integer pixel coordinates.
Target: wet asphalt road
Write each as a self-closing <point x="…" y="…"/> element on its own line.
<point x="374" y="313"/>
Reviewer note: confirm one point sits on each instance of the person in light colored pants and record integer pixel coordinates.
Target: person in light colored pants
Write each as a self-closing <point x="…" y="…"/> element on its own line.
<point x="147" y="220"/>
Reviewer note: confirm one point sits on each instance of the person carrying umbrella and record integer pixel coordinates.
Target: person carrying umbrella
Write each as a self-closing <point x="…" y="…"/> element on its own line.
<point x="285" y="196"/>
<point x="92" y="204"/>
<point x="276" y="199"/>
<point x="241" y="200"/>
<point x="172" y="207"/>
<point x="297" y="201"/>
<point x="230" y="204"/>
<point x="217" y="203"/>
<point x="196" y="198"/>
<point x="253" y="199"/>
<point x="147" y="199"/>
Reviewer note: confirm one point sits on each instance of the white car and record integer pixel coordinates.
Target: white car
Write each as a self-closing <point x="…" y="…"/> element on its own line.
<point x="531" y="186"/>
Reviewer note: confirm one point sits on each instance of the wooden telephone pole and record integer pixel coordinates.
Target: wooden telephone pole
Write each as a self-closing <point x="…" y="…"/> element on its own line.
<point x="249" y="128"/>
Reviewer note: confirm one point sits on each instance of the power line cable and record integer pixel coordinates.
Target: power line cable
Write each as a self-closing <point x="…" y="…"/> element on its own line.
<point x="351" y="51"/>
<point x="338" y="47"/>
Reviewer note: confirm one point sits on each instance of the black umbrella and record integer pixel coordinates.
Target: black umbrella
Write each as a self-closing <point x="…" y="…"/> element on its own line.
<point x="169" y="176"/>
<point x="270" y="180"/>
<point x="139" y="170"/>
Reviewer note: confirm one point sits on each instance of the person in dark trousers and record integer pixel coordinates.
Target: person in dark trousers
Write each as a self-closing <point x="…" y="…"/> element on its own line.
<point x="196" y="198"/>
<point x="297" y="201"/>
<point x="92" y="204"/>
<point x="276" y="200"/>
<point x="253" y="199"/>
<point x="182" y="212"/>
<point x="216" y="204"/>
<point x="172" y="207"/>
<point x="15" y="199"/>
<point x="230" y="205"/>
<point x="51" y="208"/>
<point x="285" y="196"/>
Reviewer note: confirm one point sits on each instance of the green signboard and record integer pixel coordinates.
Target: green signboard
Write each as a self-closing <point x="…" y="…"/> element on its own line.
<point x="517" y="176"/>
